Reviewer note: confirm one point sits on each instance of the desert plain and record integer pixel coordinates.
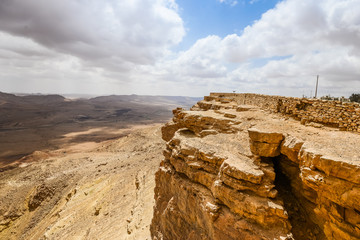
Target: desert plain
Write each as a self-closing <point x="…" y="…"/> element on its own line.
<point x="80" y="168"/>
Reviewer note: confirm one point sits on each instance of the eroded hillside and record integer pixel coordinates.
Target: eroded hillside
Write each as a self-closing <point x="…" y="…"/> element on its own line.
<point x="87" y="191"/>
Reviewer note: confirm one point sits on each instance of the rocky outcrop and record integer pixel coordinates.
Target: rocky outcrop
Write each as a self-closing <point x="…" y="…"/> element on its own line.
<point x="343" y="115"/>
<point x="236" y="172"/>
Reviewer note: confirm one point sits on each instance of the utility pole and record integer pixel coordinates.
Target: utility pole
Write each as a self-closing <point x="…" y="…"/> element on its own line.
<point x="317" y="82"/>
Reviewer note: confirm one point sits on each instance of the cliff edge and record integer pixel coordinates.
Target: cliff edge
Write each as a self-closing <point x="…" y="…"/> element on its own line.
<point x="235" y="171"/>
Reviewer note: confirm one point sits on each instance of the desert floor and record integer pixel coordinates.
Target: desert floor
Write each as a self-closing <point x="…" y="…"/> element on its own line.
<point x="80" y="168"/>
<point x="86" y="190"/>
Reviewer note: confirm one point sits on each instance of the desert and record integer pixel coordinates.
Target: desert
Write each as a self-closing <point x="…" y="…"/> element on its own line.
<point x="232" y="166"/>
<point x="73" y="169"/>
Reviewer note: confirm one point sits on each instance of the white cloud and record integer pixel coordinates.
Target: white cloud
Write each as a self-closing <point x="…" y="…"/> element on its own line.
<point x="201" y="60"/>
<point x="295" y="27"/>
<point x="83" y="46"/>
<point x="123" y="32"/>
<point x="315" y="37"/>
<point x="229" y="2"/>
<point x="125" y="47"/>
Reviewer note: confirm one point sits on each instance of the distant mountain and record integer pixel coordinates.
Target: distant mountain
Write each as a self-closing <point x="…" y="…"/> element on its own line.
<point x="30" y="99"/>
<point x="43" y="99"/>
<point x="33" y="111"/>
<point x="7" y="97"/>
<point x="175" y="101"/>
<point x="179" y="101"/>
<point x="33" y="122"/>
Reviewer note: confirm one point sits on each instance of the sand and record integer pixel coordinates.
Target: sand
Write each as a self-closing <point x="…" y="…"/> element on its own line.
<point x="85" y="191"/>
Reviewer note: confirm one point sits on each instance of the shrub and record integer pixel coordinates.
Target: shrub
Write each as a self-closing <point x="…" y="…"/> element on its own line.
<point x="355" y="97"/>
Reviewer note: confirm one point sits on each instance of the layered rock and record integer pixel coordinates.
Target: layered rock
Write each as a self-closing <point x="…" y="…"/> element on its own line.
<point x="235" y="172"/>
<point x="211" y="186"/>
<point x="344" y="115"/>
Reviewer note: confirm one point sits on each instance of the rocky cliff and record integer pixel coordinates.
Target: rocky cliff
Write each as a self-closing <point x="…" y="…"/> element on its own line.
<point x="238" y="172"/>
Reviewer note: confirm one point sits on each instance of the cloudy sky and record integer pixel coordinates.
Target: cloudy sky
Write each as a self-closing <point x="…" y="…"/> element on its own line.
<point x="180" y="47"/>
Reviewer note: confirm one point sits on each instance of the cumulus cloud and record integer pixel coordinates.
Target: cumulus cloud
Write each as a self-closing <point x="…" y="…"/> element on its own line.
<point x="201" y="60"/>
<point x="84" y="46"/>
<point x="294" y="27"/>
<point x="282" y="52"/>
<point x="125" y="47"/>
<point x="133" y="31"/>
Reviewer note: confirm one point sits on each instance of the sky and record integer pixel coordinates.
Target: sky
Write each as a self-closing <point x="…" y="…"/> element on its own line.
<point x="180" y="47"/>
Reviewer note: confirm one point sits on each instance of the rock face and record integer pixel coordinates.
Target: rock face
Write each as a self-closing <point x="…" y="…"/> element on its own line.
<point x="236" y="172"/>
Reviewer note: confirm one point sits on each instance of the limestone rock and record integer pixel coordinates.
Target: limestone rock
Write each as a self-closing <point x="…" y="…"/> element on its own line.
<point x="266" y="144"/>
<point x="265" y="136"/>
<point x="291" y="147"/>
<point x="199" y="172"/>
<point x="168" y="130"/>
<point x="232" y="173"/>
<point x="243" y="108"/>
<point x="243" y="169"/>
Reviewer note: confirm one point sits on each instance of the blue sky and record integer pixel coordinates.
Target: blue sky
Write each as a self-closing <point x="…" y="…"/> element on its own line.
<point x="180" y="47"/>
<point x="203" y="17"/>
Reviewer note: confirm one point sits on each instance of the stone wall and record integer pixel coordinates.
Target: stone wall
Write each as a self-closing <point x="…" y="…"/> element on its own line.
<point x="343" y="115"/>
